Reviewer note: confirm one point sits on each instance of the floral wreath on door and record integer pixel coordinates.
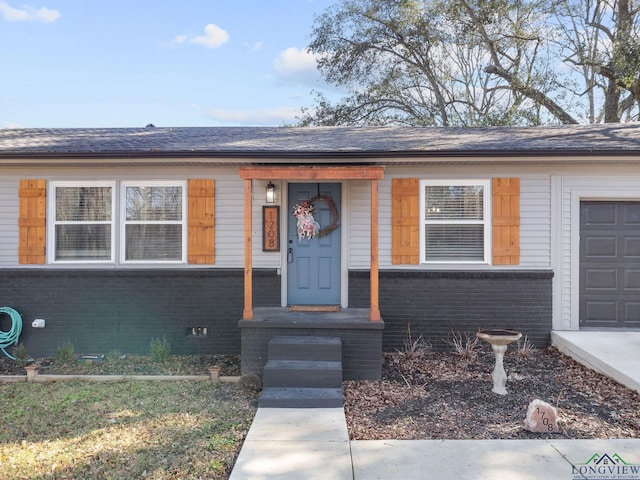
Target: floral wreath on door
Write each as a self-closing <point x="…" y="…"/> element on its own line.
<point x="306" y="225"/>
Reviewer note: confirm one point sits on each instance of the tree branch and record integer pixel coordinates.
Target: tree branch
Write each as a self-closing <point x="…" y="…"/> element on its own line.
<point x="533" y="93"/>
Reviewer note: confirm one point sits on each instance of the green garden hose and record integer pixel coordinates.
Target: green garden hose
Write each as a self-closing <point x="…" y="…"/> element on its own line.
<point x="11" y="337"/>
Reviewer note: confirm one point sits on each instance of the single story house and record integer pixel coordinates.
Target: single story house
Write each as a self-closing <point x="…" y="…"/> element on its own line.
<point x="114" y="237"/>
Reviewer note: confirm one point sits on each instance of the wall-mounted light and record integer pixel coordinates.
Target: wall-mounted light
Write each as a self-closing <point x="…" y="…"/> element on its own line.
<point x="271" y="193"/>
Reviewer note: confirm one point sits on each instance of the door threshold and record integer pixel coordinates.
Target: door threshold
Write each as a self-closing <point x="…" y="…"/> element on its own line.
<point x="314" y="308"/>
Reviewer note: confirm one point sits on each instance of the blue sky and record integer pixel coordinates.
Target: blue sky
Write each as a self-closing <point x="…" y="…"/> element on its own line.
<point x="116" y="63"/>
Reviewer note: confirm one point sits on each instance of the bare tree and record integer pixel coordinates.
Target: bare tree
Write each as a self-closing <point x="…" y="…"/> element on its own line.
<point x="477" y="62"/>
<point x="601" y="41"/>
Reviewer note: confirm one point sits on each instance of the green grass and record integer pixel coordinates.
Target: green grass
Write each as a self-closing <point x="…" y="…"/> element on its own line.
<point x="123" y="430"/>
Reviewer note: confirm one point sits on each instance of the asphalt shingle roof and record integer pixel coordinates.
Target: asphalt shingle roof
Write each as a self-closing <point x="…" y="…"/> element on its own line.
<point x="620" y="139"/>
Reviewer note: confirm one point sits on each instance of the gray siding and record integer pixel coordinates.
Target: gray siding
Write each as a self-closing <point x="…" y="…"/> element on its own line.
<point x="535" y="212"/>
<point x="9" y="207"/>
<point x="359" y="224"/>
<point x="535" y="221"/>
<point x="355" y="221"/>
<point x="260" y="259"/>
<point x="229" y="210"/>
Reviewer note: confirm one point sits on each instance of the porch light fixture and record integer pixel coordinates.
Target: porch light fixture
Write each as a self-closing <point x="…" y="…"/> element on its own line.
<point x="271" y="193"/>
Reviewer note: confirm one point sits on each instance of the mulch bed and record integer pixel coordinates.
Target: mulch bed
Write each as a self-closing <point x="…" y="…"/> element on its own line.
<point x="437" y="395"/>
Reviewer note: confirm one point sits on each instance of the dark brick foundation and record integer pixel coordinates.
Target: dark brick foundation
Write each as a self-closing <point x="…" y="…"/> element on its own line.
<point x="435" y="304"/>
<point x="103" y="310"/>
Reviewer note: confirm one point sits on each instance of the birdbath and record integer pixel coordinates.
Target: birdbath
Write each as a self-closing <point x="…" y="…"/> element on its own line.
<point x="499" y="339"/>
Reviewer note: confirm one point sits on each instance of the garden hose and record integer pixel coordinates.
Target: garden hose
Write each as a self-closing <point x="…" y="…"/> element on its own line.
<point x="11" y="337"/>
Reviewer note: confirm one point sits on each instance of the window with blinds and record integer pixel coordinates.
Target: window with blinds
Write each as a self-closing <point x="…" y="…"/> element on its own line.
<point x="83" y="222"/>
<point x="456" y="224"/>
<point x="149" y="225"/>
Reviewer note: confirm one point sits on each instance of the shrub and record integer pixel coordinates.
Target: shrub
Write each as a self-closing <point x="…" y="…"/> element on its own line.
<point x="525" y="348"/>
<point x="466" y="348"/>
<point x="65" y="352"/>
<point x="414" y="347"/>
<point x="21" y="355"/>
<point x="113" y="356"/>
<point x="160" y="349"/>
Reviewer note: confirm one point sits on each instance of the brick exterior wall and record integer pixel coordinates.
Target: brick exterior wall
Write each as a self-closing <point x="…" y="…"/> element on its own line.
<point x="435" y="304"/>
<point x="103" y="310"/>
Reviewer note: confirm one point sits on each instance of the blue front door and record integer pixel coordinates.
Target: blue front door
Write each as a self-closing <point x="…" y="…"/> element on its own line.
<point x="313" y="265"/>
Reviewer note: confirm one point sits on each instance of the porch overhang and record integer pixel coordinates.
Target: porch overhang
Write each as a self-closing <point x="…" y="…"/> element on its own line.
<point x="371" y="173"/>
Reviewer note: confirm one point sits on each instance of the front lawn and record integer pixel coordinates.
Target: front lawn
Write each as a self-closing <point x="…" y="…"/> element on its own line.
<point x="123" y="430"/>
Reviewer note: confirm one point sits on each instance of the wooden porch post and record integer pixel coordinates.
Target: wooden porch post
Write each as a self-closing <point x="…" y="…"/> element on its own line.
<point x="374" y="308"/>
<point x="247" y="313"/>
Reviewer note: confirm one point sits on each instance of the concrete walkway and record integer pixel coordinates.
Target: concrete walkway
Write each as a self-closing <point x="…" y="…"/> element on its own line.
<point x="296" y="444"/>
<point x="312" y="444"/>
<point x="309" y="444"/>
<point x="613" y="353"/>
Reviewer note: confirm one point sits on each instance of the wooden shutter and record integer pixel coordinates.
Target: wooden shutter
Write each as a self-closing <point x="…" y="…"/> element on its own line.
<point x="32" y="222"/>
<point x="505" y="221"/>
<point x="405" y="221"/>
<point x="201" y="221"/>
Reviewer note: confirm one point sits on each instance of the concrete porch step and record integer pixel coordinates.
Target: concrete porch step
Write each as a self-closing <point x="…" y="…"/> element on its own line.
<point x="303" y="373"/>
<point x="305" y="348"/>
<point x="273" y="397"/>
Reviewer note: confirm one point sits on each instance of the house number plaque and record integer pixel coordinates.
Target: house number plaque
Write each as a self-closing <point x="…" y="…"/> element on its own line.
<point x="271" y="229"/>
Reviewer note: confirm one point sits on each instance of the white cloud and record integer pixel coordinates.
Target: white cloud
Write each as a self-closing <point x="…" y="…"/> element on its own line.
<point x="28" y="14"/>
<point x="274" y="116"/>
<point x="213" y="37"/>
<point x="296" y="65"/>
<point x="255" y="47"/>
<point x="180" y="39"/>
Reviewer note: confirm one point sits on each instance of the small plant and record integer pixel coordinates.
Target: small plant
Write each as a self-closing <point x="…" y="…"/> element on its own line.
<point x="412" y="347"/>
<point x="160" y="349"/>
<point x="65" y="352"/>
<point x="20" y="354"/>
<point x="466" y="348"/>
<point x="113" y="356"/>
<point x="525" y="348"/>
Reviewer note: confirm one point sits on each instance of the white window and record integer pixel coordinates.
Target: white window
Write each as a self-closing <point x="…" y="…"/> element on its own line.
<point x="154" y="222"/>
<point x="148" y="218"/>
<point x="456" y="223"/>
<point x="83" y="222"/>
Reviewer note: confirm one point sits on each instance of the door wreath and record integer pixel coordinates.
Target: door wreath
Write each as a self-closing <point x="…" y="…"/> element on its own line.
<point x="307" y="226"/>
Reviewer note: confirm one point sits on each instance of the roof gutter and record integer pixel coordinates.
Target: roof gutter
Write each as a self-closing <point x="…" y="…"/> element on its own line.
<point x="235" y="157"/>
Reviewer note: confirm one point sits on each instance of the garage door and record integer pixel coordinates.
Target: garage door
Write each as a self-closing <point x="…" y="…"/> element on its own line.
<point x="610" y="264"/>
